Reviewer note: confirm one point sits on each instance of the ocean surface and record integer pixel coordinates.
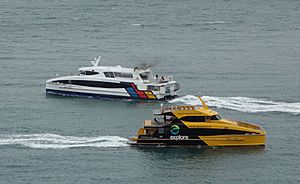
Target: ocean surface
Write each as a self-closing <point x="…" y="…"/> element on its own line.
<point x="242" y="56"/>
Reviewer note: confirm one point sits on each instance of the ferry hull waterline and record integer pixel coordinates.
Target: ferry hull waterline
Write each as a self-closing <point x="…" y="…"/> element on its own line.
<point x="195" y="125"/>
<point x="126" y="92"/>
<point x="114" y="82"/>
<point x="215" y="141"/>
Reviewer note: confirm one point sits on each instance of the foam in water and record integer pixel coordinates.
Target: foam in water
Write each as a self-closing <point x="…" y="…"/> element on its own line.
<point x="53" y="141"/>
<point x="244" y="104"/>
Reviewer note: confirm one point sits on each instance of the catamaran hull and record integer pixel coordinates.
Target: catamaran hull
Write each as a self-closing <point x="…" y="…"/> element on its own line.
<point x="130" y="92"/>
<point x="216" y="140"/>
<point x="83" y="94"/>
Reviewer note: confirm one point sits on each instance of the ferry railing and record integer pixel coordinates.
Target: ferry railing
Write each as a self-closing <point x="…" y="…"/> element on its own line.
<point x="169" y="108"/>
<point x="247" y="125"/>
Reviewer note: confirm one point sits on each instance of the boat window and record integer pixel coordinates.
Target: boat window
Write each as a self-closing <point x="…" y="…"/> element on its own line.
<point x="97" y="84"/>
<point x="161" y="130"/>
<point x="215" y="117"/>
<point x="145" y="75"/>
<point x="91" y="73"/>
<point x="92" y="83"/>
<point x="123" y="75"/>
<point x="109" y="74"/>
<point x="62" y="81"/>
<point x="165" y="119"/>
<point x="88" y="73"/>
<point x="193" y="118"/>
<point x="153" y="88"/>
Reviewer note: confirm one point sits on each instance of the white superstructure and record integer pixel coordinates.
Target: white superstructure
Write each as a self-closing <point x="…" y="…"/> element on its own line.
<point x="114" y="82"/>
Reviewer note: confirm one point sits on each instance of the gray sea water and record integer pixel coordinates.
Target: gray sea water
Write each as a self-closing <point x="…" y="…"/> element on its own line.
<point x="242" y="56"/>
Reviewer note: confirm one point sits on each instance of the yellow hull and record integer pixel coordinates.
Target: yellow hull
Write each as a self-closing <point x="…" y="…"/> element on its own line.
<point x="235" y="140"/>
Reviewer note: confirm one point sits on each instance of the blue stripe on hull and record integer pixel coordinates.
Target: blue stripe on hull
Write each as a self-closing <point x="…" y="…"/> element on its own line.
<point x="132" y="93"/>
<point x="79" y="94"/>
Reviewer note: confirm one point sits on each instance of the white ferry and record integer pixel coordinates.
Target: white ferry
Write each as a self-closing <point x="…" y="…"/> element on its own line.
<point x="114" y="82"/>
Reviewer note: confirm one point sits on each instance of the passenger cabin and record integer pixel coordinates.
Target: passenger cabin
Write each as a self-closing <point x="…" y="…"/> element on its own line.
<point x="167" y="114"/>
<point x="122" y="73"/>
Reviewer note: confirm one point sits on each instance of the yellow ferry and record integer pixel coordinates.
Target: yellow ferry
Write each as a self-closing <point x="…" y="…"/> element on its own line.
<point x="197" y="125"/>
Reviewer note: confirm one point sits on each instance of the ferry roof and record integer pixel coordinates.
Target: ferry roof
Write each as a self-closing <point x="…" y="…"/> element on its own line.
<point x="194" y="110"/>
<point x="187" y="110"/>
<point x="117" y="68"/>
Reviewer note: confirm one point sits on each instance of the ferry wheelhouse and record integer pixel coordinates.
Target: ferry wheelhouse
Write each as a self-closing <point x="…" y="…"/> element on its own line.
<point x="114" y="82"/>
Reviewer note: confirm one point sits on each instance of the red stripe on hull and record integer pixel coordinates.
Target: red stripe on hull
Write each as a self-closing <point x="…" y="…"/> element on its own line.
<point x="138" y="92"/>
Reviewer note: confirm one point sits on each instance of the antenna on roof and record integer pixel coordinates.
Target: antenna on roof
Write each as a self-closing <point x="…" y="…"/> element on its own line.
<point x="96" y="61"/>
<point x="203" y="103"/>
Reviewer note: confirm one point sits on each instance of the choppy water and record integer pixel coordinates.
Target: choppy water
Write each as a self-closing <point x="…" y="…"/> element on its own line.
<point x="242" y="56"/>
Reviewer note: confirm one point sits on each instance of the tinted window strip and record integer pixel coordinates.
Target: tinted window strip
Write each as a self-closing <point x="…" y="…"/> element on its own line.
<point x="92" y="83"/>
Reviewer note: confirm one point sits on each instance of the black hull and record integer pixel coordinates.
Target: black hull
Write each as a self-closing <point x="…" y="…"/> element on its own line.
<point x="168" y="142"/>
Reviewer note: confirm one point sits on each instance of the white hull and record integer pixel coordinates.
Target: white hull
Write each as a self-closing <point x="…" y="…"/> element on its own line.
<point x="96" y="92"/>
<point x="69" y="89"/>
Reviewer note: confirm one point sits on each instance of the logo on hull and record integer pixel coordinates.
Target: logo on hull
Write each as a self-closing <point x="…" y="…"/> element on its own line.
<point x="175" y="129"/>
<point x="179" y="137"/>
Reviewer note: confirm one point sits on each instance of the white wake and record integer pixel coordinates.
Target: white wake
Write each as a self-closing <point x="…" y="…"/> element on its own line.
<point x="54" y="141"/>
<point x="244" y="104"/>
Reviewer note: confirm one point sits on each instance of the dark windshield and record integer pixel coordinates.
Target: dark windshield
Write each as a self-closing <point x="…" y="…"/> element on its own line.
<point x="164" y="119"/>
<point x="88" y="73"/>
<point x="145" y="75"/>
<point x="215" y="117"/>
<point x="193" y="118"/>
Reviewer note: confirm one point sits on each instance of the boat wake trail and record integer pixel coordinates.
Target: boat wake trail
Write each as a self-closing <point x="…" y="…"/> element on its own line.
<point x="243" y="104"/>
<point x="53" y="141"/>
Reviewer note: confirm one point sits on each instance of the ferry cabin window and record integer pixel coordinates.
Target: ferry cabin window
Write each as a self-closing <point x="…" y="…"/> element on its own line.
<point x="88" y="73"/>
<point x="91" y="83"/>
<point x="161" y="131"/>
<point x="163" y="119"/>
<point x="109" y="74"/>
<point x="193" y="118"/>
<point x="123" y="75"/>
<point x="215" y="117"/>
<point x="62" y="81"/>
<point x="153" y="88"/>
<point x="145" y="75"/>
